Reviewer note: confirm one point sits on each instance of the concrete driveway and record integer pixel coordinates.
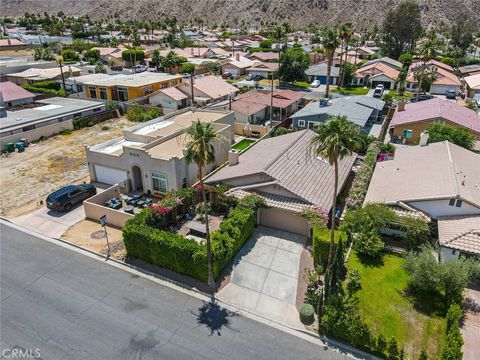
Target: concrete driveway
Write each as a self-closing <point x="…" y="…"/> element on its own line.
<point x="51" y="223"/>
<point x="265" y="276"/>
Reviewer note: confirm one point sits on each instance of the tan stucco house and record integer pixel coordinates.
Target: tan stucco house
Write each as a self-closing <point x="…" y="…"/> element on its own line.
<point x="150" y="156"/>
<point x="280" y="171"/>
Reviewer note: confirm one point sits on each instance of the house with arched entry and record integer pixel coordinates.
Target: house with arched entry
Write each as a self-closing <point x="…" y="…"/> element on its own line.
<point x="150" y="156"/>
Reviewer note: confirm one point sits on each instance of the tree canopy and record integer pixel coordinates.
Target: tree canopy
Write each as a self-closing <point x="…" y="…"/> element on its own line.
<point x="458" y="136"/>
<point x="293" y="64"/>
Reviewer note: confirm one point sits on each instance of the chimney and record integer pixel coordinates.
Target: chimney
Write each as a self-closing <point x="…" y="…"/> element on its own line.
<point x="233" y="157"/>
<point x="401" y="106"/>
<point x="424" y="138"/>
<point x="237" y="56"/>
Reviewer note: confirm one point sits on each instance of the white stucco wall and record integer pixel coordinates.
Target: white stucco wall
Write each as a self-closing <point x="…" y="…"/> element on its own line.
<point x="436" y="208"/>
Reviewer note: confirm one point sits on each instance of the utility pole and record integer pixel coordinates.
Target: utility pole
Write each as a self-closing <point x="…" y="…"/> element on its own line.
<point x="61" y="71"/>
<point x="191" y="87"/>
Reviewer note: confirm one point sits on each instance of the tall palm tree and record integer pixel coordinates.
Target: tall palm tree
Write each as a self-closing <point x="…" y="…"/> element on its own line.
<point x="345" y="32"/>
<point x="330" y="42"/>
<point x="200" y="149"/>
<point x="334" y="140"/>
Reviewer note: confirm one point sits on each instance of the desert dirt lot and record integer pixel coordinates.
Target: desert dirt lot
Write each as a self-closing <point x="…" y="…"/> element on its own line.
<point x="50" y="164"/>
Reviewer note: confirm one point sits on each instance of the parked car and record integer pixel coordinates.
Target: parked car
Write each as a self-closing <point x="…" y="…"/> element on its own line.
<point x="451" y="94"/>
<point x="140" y="68"/>
<point x="315" y="84"/>
<point x="378" y="92"/>
<point x="226" y="75"/>
<point x="421" y="98"/>
<point x="254" y="77"/>
<point x="68" y="196"/>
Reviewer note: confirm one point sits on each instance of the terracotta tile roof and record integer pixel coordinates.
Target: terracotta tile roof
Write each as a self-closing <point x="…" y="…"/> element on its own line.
<point x="12" y="92"/>
<point x="247" y="107"/>
<point x="445" y="75"/>
<point x="460" y="232"/>
<point x="377" y="69"/>
<point x="434" y="109"/>
<point x="473" y="81"/>
<point x="174" y="93"/>
<point x="263" y="66"/>
<point x="285" y="159"/>
<point x="213" y="86"/>
<point x="264" y="56"/>
<point x="440" y="170"/>
<point x="431" y="62"/>
<point x="11" y="42"/>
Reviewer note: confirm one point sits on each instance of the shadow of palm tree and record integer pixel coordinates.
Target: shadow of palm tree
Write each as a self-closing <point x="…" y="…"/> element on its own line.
<point x="214" y="317"/>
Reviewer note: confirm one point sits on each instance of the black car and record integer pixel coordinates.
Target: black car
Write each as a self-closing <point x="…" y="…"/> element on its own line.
<point x="451" y="94"/>
<point x="421" y="98"/>
<point x="65" y="198"/>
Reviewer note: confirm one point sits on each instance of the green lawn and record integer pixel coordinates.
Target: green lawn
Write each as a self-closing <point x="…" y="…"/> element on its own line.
<point x="243" y="144"/>
<point x="302" y="84"/>
<point x="415" y="323"/>
<point x="405" y="97"/>
<point x="351" y="90"/>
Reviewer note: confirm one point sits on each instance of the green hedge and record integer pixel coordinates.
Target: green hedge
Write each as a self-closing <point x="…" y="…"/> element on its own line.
<point x="186" y="256"/>
<point x="45" y="87"/>
<point x="321" y="244"/>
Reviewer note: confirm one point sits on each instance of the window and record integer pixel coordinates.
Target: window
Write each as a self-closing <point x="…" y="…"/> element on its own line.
<point x="312" y="125"/>
<point x="93" y="92"/>
<point x="122" y="94"/>
<point x="159" y="182"/>
<point x="459" y="203"/>
<point x="103" y="93"/>
<point x="148" y="89"/>
<point x="451" y="202"/>
<point x="407" y="134"/>
<point x="301" y="123"/>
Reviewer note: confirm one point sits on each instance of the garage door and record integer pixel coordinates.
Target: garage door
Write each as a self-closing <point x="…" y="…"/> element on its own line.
<point x="284" y="220"/>
<point x="441" y="89"/>
<point x="387" y="84"/>
<point x="110" y="176"/>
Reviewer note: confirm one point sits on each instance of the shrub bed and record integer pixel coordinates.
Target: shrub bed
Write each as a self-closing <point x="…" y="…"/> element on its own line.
<point x="321" y="245"/>
<point x="185" y="256"/>
<point x="46" y="87"/>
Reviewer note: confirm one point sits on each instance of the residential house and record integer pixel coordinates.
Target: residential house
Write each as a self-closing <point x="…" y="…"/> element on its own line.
<point x="19" y="64"/>
<point x="459" y="235"/>
<point x="169" y="99"/>
<point x="319" y="72"/>
<point x="285" y="103"/>
<point x="49" y="116"/>
<point x="387" y="61"/>
<point x="13" y="95"/>
<point x="12" y="44"/>
<point x="265" y="69"/>
<point x="375" y="74"/>
<point x="236" y="66"/>
<point x="127" y="87"/>
<point x="268" y="56"/>
<point x="361" y="53"/>
<point x="410" y="120"/>
<point x="111" y="54"/>
<point x="445" y="79"/>
<point x="469" y="70"/>
<point x="289" y="179"/>
<point x="362" y="110"/>
<point x="472" y="83"/>
<point x="441" y="180"/>
<point x="208" y="89"/>
<point x="34" y="75"/>
<point x="150" y="156"/>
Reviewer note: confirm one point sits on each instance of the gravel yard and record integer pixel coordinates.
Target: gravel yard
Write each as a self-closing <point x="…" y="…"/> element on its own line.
<point x="50" y="164"/>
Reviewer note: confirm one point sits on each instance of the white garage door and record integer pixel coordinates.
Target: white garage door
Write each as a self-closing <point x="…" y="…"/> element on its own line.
<point x="109" y="176"/>
<point x="284" y="220"/>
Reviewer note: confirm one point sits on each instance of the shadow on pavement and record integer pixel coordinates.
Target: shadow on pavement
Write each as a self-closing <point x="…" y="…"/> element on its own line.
<point x="214" y="317"/>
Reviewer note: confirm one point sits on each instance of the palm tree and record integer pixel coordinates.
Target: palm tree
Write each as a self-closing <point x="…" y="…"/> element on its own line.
<point x="200" y="149"/>
<point x="345" y="33"/>
<point x="334" y="140"/>
<point x="330" y="42"/>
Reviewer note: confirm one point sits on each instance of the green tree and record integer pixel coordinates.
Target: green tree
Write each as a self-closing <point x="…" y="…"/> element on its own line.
<point x="133" y="55"/>
<point x="458" y="136"/>
<point x="345" y="33"/>
<point x="293" y="64"/>
<point x="334" y="140"/>
<point x="92" y="55"/>
<point x="100" y="68"/>
<point x="200" y="149"/>
<point x="330" y="43"/>
<point x="461" y="34"/>
<point x="401" y="28"/>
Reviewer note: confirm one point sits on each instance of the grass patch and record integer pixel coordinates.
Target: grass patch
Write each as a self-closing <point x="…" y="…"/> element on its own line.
<point x="389" y="310"/>
<point x="405" y="97"/>
<point x="302" y="84"/>
<point x="346" y="90"/>
<point x="321" y="245"/>
<point x="243" y="144"/>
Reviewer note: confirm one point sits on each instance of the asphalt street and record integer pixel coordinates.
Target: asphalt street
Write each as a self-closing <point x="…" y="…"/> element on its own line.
<point x="60" y="304"/>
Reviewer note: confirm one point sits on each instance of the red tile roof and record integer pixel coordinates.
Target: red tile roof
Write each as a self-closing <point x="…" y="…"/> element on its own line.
<point x="281" y="98"/>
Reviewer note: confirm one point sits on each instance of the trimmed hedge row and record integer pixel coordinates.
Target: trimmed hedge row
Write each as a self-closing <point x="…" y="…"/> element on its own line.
<point x="321" y="244"/>
<point x="186" y="256"/>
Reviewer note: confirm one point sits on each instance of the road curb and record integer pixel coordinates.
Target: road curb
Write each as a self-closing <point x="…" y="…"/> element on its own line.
<point x="175" y="285"/>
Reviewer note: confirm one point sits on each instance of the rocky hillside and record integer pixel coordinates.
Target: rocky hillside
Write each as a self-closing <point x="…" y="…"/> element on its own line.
<point x="364" y="13"/>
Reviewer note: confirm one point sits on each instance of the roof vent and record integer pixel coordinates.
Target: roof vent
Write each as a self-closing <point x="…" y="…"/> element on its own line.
<point x="233" y="157"/>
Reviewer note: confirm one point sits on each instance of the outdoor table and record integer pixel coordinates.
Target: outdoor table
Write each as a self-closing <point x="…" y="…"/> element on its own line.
<point x="128" y="209"/>
<point x="197" y="227"/>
